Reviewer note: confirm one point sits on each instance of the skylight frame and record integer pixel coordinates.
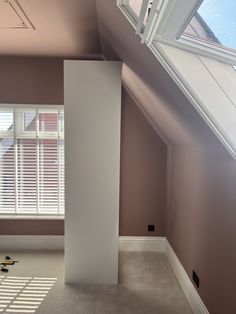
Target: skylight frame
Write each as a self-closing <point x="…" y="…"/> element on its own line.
<point x="131" y="16"/>
<point x="169" y="25"/>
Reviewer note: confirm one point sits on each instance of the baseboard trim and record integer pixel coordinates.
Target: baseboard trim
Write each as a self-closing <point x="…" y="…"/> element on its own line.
<point x="141" y="244"/>
<point x="48" y="242"/>
<point x="30" y="242"/>
<point x="188" y="288"/>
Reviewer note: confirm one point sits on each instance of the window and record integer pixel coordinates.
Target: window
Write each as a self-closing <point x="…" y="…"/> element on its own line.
<point x="203" y="27"/>
<point x="195" y="43"/>
<point x="31" y="161"/>
<point x="136" y="5"/>
<point x="214" y="23"/>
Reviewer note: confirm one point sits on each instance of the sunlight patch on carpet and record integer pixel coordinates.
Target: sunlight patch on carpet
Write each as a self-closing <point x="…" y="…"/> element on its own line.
<point x="23" y="294"/>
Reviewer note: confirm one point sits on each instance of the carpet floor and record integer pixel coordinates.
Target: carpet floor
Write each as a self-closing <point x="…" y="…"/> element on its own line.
<point x="147" y="285"/>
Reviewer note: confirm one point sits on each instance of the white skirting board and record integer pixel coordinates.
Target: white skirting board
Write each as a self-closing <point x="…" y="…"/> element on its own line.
<point x="141" y="244"/>
<point x="190" y="292"/>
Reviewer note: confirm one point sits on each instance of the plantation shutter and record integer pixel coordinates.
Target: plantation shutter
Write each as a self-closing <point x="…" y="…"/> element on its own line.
<point x="62" y="177"/>
<point x="7" y="164"/>
<point x="61" y="163"/>
<point x="32" y="161"/>
<point x="26" y="176"/>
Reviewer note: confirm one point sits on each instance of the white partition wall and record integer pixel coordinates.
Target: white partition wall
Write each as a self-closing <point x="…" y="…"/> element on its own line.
<point x="92" y="100"/>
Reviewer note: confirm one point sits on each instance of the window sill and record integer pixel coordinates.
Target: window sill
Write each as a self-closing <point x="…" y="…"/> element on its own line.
<point x="31" y="217"/>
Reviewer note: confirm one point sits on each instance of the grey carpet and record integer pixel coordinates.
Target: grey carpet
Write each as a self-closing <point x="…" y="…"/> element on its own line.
<point x="147" y="286"/>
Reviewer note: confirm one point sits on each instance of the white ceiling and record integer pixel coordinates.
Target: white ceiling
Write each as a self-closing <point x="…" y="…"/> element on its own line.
<point x="13" y="16"/>
<point x="65" y="28"/>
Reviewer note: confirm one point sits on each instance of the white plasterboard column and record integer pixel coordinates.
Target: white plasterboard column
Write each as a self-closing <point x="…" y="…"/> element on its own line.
<point x="92" y="154"/>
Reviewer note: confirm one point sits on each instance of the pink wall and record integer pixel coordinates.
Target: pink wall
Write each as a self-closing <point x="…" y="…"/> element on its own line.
<point x="40" y="81"/>
<point x="31" y="81"/>
<point x="143" y="174"/>
<point x="31" y="227"/>
<point x="201" y="225"/>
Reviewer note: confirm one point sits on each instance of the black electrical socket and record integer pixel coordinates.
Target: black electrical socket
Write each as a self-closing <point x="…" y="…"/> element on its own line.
<point x="151" y="228"/>
<point x="196" y="279"/>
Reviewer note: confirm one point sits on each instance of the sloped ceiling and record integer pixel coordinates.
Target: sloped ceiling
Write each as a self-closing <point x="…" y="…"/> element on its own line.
<point x="149" y="83"/>
<point x="70" y="29"/>
<point x="66" y="28"/>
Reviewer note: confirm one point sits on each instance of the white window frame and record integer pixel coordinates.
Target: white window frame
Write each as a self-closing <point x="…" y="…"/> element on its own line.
<point x="44" y="107"/>
<point x="167" y="21"/>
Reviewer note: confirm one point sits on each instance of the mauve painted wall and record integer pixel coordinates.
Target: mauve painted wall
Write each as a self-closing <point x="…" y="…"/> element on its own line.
<point x="31" y="227"/>
<point x="143" y="159"/>
<point x="143" y="174"/>
<point x="31" y="81"/>
<point x="201" y="226"/>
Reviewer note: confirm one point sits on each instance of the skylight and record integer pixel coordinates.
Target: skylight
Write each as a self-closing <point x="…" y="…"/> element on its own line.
<point x="136" y="5"/>
<point x="200" y="55"/>
<point x="214" y="23"/>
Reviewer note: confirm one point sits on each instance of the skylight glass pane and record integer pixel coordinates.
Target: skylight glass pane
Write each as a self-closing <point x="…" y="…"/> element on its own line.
<point x="136" y="7"/>
<point x="215" y="23"/>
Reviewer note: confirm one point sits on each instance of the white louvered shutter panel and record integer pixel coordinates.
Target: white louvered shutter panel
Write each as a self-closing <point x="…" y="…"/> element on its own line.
<point x="7" y="165"/>
<point x="49" y="168"/>
<point x="26" y="176"/>
<point x="26" y="161"/>
<point x="62" y="177"/>
<point x="32" y="161"/>
<point x="62" y="164"/>
<point x="48" y="176"/>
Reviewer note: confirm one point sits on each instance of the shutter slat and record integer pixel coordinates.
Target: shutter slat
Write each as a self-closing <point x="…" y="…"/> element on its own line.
<point x="7" y="173"/>
<point x="48" y="174"/>
<point x="27" y="175"/>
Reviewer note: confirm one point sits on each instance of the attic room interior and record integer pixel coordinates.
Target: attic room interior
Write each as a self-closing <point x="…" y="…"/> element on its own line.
<point x="117" y="156"/>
